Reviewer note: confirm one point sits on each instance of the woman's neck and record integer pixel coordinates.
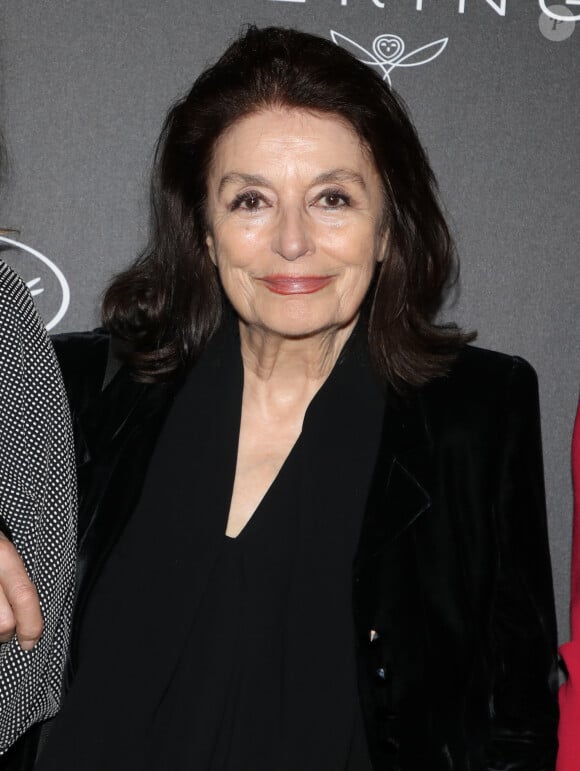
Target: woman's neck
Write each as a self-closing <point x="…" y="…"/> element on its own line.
<point x="283" y="373"/>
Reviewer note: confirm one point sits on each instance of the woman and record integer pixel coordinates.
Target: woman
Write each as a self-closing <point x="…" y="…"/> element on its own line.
<point x="312" y="529"/>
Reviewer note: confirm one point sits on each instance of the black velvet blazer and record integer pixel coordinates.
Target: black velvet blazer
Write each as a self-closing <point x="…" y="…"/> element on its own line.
<point x="453" y="599"/>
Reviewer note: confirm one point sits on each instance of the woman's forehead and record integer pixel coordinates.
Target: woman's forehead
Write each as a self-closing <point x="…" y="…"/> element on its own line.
<point x="283" y="138"/>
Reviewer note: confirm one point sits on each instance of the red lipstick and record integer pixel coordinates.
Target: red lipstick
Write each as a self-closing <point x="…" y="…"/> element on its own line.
<point x="295" y="284"/>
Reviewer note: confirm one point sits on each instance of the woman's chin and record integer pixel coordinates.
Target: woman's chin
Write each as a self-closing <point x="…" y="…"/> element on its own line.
<point x="298" y="327"/>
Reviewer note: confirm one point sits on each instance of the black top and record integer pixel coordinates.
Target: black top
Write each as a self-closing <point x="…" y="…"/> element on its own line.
<point x="266" y="678"/>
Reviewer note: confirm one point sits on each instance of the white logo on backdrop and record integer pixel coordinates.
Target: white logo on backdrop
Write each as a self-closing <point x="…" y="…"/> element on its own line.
<point x="561" y="12"/>
<point x="388" y="52"/>
<point x="499" y="6"/>
<point x="558" y="13"/>
<point x="35" y="284"/>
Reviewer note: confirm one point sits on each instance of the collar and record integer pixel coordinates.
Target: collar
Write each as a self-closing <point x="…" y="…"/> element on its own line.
<point x="402" y="476"/>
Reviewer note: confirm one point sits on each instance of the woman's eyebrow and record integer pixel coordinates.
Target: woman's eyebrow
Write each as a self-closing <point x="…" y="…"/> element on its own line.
<point x="333" y="175"/>
<point x="340" y="175"/>
<point x="236" y="177"/>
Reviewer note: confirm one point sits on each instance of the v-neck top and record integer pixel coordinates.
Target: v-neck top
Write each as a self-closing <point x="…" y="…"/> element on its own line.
<point x="264" y="678"/>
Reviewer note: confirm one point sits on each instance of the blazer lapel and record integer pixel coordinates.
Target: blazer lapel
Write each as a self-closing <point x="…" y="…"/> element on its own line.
<point x="399" y="492"/>
<point x="105" y="417"/>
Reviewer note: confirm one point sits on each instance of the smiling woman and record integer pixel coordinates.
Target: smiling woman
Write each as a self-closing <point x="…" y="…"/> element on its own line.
<point x="317" y="514"/>
<point x="327" y="88"/>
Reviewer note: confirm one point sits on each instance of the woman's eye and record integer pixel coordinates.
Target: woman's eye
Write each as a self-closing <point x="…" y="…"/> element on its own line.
<point x="247" y="201"/>
<point x="334" y="200"/>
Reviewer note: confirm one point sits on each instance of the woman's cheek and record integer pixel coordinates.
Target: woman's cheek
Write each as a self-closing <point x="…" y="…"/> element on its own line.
<point x="356" y="286"/>
<point x="237" y="285"/>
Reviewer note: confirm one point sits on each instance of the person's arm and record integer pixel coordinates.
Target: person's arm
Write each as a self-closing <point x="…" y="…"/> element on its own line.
<point x="524" y="705"/>
<point x="38" y="512"/>
<point x="19" y="602"/>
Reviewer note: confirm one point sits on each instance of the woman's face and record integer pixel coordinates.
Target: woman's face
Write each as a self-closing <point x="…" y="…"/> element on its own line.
<point x="295" y="208"/>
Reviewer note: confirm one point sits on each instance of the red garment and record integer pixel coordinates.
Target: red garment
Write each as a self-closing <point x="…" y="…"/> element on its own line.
<point x="569" y="729"/>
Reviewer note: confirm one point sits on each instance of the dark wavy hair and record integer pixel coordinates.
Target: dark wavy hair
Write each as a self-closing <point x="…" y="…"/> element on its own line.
<point x="169" y="302"/>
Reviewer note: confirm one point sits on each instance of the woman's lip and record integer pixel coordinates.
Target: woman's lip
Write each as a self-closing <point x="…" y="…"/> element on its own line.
<point x="295" y="284"/>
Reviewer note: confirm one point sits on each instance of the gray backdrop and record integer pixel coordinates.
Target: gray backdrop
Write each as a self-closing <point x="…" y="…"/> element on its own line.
<point x="493" y="87"/>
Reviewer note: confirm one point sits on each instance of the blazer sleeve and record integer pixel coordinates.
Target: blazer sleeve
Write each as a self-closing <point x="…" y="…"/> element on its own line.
<point x="524" y="642"/>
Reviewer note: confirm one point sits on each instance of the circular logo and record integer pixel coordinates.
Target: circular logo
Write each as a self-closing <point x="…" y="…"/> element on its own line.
<point x="46" y="281"/>
<point x="387" y="48"/>
<point x="557" y="23"/>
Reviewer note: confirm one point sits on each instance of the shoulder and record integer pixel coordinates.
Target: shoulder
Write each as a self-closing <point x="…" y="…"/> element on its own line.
<point x="482" y="369"/>
<point x="478" y="373"/>
<point x="81" y="353"/>
<point x="82" y="357"/>
<point x="93" y="371"/>
<point x="17" y="309"/>
<point x="11" y="284"/>
<point x="480" y="390"/>
<point x="26" y="353"/>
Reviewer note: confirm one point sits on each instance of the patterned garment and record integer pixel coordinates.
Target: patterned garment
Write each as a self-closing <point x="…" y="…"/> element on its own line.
<point x="38" y="504"/>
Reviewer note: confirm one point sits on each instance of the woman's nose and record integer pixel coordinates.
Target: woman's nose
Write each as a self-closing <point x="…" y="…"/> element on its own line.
<point x="292" y="238"/>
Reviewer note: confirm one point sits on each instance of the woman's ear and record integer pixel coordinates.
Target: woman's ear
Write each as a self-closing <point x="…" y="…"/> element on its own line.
<point x="211" y="248"/>
<point x="383" y="244"/>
